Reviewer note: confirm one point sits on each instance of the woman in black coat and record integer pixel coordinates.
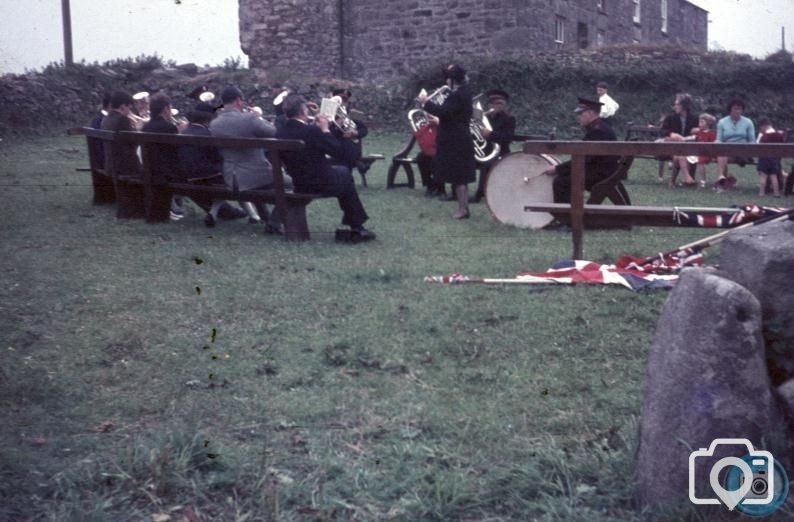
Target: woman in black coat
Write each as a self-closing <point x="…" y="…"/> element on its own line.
<point x="454" y="160"/>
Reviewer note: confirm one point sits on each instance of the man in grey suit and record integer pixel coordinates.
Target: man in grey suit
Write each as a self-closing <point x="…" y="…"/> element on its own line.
<point x="248" y="168"/>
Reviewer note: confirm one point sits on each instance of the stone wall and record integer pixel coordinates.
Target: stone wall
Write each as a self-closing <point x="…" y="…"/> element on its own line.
<point x="379" y="40"/>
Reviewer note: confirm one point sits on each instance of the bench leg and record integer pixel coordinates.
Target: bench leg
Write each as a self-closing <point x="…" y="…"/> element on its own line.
<point x="296" y="228"/>
<point x="130" y="201"/>
<point x="104" y="191"/>
<point x="395" y="167"/>
<point x="158" y="204"/>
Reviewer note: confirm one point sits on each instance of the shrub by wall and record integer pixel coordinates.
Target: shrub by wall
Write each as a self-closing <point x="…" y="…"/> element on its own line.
<point x="543" y="87"/>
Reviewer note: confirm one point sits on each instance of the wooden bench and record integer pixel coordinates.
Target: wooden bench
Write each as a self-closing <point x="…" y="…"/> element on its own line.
<point x="154" y="193"/>
<point x="104" y="190"/>
<point x="630" y="214"/>
<point x="653" y="133"/>
<point x="402" y="160"/>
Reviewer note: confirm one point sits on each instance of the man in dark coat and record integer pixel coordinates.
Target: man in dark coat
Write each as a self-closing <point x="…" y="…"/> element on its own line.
<point x="597" y="168"/>
<point x="118" y="120"/>
<point x="311" y="170"/>
<point x="166" y="166"/>
<point x="129" y="196"/>
<point x="454" y="161"/>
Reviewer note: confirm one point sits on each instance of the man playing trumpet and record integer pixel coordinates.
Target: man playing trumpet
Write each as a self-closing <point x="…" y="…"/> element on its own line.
<point x="311" y="170"/>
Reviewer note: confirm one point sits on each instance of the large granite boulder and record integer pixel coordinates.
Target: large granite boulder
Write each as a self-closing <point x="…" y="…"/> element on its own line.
<point x="761" y="259"/>
<point x="707" y="378"/>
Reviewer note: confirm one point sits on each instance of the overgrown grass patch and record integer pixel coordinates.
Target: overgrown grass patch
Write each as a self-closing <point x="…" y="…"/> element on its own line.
<point x="175" y="369"/>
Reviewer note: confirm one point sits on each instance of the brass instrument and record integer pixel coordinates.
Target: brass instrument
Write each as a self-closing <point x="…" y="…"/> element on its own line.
<point x="483" y="151"/>
<point x="137" y="121"/>
<point x="341" y="119"/>
<point x="180" y="122"/>
<point x="280" y="97"/>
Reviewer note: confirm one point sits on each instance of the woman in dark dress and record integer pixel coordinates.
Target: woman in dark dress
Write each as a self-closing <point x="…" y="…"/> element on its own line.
<point x="678" y="126"/>
<point x="454" y="160"/>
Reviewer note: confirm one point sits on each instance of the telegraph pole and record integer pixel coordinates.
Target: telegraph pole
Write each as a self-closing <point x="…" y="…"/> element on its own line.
<point x="67" y="34"/>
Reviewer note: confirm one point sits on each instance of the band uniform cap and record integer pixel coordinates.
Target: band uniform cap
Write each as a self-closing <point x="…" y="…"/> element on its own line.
<point x="201" y="112"/>
<point x="587" y="105"/>
<point x="455" y="72"/>
<point x="495" y="94"/>
<point x="138" y="96"/>
<point x="230" y="94"/>
<point x="602" y="85"/>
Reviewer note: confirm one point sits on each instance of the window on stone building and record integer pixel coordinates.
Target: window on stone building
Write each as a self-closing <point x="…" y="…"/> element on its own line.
<point x="664" y="15"/>
<point x="637" y="10"/>
<point x="600" y="38"/>
<point x="559" y="29"/>
<point x="601" y="5"/>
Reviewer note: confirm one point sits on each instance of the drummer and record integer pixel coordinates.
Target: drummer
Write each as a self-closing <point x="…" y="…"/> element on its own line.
<point x="596" y="168"/>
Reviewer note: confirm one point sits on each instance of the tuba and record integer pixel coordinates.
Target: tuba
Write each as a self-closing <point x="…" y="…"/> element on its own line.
<point x="341" y="119"/>
<point x="483" y="151"/>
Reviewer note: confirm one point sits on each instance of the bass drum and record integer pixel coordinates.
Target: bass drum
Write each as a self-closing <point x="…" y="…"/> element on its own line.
<point x="518" y="179"/>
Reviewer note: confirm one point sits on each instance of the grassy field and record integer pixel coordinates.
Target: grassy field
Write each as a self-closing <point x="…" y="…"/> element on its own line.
<point x="174" y="372"/>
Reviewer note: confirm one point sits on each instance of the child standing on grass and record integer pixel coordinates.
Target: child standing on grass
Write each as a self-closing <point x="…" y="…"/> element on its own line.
<point x="705" y="133"/>
<point x="769" y="169"/>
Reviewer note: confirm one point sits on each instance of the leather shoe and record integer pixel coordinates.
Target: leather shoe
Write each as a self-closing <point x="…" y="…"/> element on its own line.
<point x="228" y="212"/>
<point x="462" y="215"/>
<point x="209" y="221"/>
<point x="274" y="230"/>
<point x="362" y="234"/>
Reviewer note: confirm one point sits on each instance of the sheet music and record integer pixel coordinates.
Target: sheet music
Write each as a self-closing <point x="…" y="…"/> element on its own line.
<point x="328" y="107"/>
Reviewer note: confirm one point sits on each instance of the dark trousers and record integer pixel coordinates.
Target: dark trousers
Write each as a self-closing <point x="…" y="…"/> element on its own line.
<point x="484" y="169"/>
<point x="425" y="164"/>
<point x="339" y="184"/>
<point x="562" y="185"/>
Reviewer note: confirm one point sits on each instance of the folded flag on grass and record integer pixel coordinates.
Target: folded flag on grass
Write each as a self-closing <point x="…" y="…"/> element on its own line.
<point x="574" y="272"/>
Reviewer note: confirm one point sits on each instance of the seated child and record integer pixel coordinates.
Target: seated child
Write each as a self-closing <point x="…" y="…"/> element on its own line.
<point x="705" y="133"/>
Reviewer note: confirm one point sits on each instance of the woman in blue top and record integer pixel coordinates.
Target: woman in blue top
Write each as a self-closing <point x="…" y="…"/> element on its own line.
<point x="733" y="128"/>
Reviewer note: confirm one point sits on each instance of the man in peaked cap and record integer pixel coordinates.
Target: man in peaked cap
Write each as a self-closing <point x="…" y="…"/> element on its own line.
<point x="596" y="168"/>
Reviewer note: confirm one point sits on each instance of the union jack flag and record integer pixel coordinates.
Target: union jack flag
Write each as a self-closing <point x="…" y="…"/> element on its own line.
<point x="743" y="214"/>
<point x="572" y="271"/>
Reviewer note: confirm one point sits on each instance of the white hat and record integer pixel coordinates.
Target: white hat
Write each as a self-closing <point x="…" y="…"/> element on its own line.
<point x="206" y="97"/>
<point x="138" y="96"/>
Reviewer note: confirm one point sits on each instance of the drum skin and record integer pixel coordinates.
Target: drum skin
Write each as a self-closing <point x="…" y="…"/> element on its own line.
<point x="516" y="180"/>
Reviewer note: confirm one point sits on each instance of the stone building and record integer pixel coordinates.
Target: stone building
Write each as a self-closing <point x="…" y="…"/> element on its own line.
<point x="382" y="39"/>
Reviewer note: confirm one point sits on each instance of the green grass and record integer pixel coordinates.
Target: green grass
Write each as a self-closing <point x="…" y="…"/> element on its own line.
<point x="150" y="369"/>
